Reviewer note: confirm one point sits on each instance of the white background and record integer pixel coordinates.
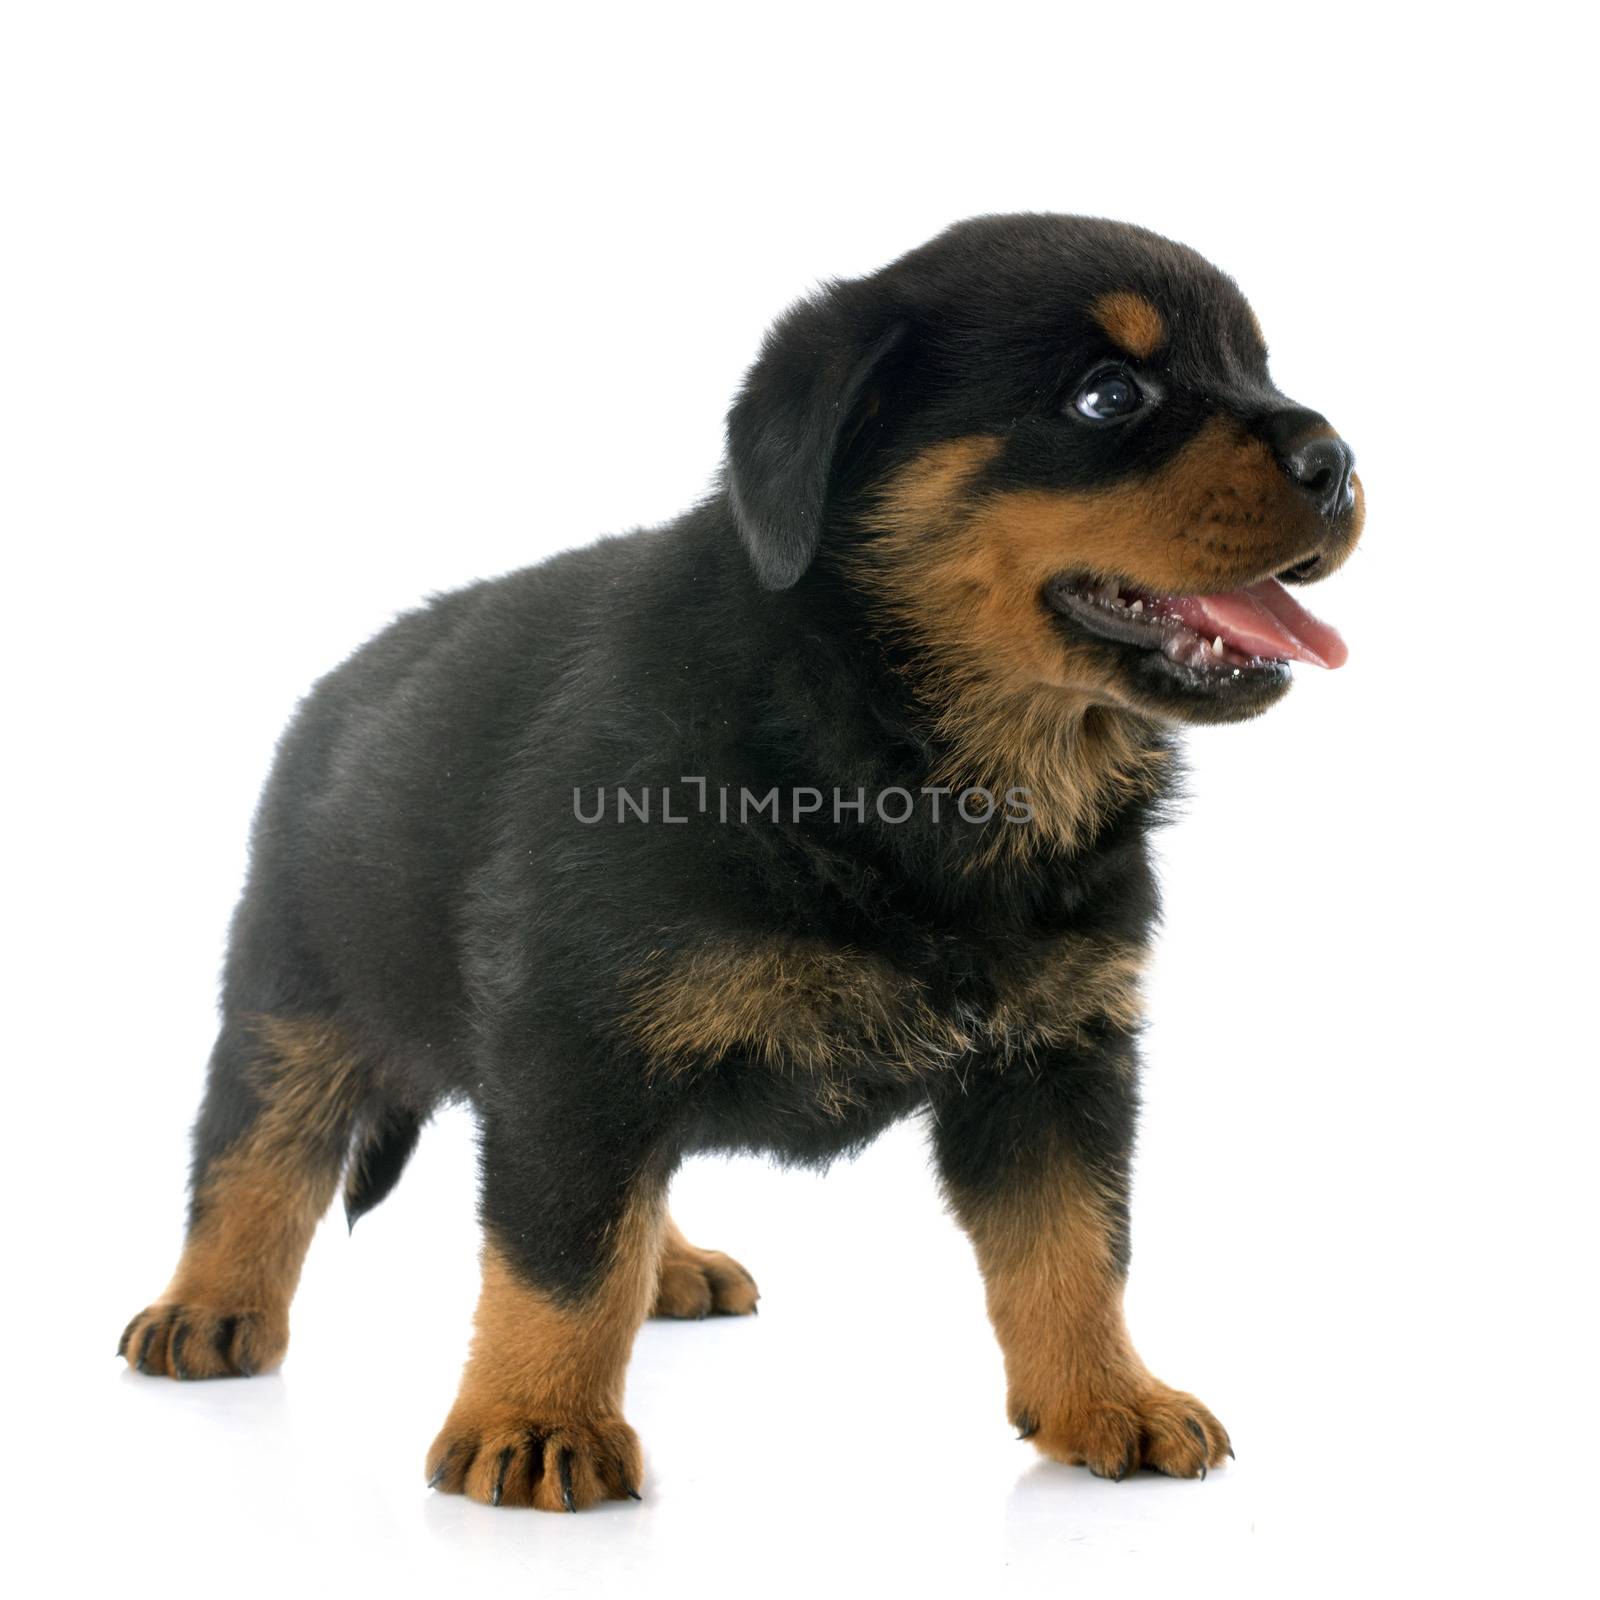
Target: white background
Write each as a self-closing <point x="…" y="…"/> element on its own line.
<point x="310" y="310"/>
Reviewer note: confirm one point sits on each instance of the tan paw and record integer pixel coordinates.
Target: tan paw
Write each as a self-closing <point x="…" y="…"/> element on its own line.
<point x="504" y="1458"/>
<point x="1113" y="1434"/>
<point x="186" y="1341"/>
<point x="696" y="1283"/>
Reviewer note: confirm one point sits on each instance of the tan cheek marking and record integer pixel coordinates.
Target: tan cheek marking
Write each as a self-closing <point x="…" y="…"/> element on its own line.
<point x="1216" y="513"/>
<point x="926" y="493"/>
<point x="1018" y="706"/>
<point x="1131" y="321"/>
<point x="966" y="571"/>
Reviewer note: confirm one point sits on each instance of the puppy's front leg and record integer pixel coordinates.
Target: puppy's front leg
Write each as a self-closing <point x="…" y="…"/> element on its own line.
<point x="571" y="1259"/>
<point x="1035" y="1161"/>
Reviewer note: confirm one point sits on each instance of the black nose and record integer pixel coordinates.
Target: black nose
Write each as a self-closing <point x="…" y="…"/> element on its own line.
<point x="1322" y="467"/>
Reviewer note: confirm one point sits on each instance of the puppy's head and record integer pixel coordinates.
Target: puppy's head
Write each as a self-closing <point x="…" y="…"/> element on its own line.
<point x="1049" y="451"/>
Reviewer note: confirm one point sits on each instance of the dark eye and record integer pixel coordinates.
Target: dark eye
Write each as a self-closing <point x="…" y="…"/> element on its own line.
<point x="1107" y="396"/>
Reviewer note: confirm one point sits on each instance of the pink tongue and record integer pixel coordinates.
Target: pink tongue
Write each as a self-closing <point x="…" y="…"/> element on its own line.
<point x="1263" y="620"/>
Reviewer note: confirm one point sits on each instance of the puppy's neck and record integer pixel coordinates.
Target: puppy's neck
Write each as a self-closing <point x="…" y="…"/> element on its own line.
<point x="853" y="711"/>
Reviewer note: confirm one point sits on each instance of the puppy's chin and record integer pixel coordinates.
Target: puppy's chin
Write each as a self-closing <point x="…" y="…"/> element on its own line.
<point x="1174" y="692"/>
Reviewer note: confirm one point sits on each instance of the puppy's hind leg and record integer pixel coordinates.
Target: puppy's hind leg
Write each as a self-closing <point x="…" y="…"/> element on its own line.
<point x="283" y="1097"/>
<point x="697" y="1283"/>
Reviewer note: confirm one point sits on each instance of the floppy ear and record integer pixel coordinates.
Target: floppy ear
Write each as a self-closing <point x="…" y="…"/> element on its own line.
<point x="789" y="424"/>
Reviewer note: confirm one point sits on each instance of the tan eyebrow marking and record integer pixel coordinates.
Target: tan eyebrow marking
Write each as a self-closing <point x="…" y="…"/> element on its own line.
<point x="1132" y="321"/>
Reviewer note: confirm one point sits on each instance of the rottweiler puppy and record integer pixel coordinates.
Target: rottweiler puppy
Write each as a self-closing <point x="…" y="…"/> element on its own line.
<point x="823" y="805"/>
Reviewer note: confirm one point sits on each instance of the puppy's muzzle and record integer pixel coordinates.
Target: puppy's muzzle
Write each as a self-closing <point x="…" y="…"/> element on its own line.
<point x="1323" y="468"/>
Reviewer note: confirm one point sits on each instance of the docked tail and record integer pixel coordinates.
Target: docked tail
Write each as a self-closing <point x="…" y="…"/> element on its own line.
<point x="379" y="1152"/>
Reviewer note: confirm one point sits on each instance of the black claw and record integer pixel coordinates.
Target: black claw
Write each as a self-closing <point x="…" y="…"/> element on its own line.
<point x="500" y="1477"/>
<point x="633" y="1494"/>
<point x="144" y="1349"/>
<point x="1231" y="1455"/>
<point x="438" y="1473"/>
<point x="1026" y="1427"/>
<point x="564" y="1467"/>
<point x="122" y="1343"/>
<point x="175" y="1353"/>
<point x="238" y="1341"/>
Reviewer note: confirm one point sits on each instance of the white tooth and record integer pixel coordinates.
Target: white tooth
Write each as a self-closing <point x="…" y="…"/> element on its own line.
<point x="1119" y="602"/>
<point x="1216" y="645"/>
<point x="1138" y="605"/>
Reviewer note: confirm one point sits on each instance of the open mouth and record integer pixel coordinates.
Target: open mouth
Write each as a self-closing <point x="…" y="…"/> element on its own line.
<point x="1245" y="632"/>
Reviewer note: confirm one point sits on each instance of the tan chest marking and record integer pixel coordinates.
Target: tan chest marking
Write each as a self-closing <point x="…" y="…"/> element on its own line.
<point x="1049" y="996"/>
<point x="807" y="1008"/>
<point x="795" y="1006"/>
